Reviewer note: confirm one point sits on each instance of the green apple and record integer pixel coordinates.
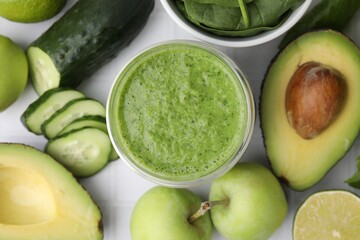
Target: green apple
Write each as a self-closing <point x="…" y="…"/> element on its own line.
<point x="13" y="72"/>
<point x="163" y="213"/>
<point x="254" y="203"/>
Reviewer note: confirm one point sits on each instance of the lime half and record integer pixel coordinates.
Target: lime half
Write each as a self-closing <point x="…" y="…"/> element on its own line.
<point x="328" y="215"/>
<point x="28" y="11"/>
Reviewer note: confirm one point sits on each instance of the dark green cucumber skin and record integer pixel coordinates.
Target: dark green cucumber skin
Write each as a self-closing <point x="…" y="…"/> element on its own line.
<point x="90" y="34"/>
<point x="33" y="106"/>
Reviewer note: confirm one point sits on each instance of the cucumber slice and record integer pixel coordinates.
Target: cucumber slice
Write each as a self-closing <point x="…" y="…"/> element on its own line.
<point x="83" y="152"/>
<point x="98" y="122"/>
<point x="94" y="121"/>
<point x="73" y="110"/>
<point x="42" y="70"/>
<point x="46" y="105"/>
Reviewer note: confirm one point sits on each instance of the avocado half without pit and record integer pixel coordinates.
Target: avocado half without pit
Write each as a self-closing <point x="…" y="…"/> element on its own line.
<point x="40" y="199"/>
<point x="309" y="106"/>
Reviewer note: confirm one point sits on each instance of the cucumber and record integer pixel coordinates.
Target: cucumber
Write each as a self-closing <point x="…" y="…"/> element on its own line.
<point x="88" y="35"/>
<point x="95" y="121"/>
<point x="46" y="105"/>
<point x="83" y="152"/>
<point x="73" y="110"/>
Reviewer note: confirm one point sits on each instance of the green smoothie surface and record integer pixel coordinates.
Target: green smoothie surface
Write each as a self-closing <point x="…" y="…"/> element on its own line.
<point x="181" y="112"/>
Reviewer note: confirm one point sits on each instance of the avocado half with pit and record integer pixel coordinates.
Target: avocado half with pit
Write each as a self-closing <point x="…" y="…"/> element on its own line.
<point x="40" y="199"/>
<point x="310" y="106"/>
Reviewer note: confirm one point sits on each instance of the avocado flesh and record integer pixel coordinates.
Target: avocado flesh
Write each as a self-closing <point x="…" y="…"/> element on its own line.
<point x="40" y="199"/>
<point x="300" y="162"/>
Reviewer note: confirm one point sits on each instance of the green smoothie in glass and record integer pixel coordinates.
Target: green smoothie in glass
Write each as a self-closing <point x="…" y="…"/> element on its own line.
<point x="178" y="112"/>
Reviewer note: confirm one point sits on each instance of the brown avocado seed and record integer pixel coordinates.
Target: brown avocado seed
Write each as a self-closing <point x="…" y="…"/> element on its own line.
<point x="314" y="98"/>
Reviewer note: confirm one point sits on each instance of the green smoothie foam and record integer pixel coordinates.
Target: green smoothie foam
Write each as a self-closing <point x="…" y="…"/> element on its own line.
<point x="181" y="112"/>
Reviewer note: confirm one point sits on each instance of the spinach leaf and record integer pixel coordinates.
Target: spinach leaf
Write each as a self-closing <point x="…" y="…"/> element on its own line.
<point x="228" y="21"/>
<point x="243" y="33"/>
<point x="181" y="7"/>
<point x="332" y="14"/>
<point x="224" y="3"/>
<point x="354" y="181"/>
<point x="214" y="16"/>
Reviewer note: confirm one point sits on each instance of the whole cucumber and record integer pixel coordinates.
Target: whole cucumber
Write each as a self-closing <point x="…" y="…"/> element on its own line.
<point x="333" y="14"/>
<point x="88" y="35"/>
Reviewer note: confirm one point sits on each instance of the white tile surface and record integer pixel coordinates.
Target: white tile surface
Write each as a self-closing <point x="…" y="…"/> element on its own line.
<point x="117" y="188"/>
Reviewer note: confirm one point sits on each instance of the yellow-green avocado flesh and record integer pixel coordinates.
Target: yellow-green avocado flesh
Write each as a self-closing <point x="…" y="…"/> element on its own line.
<point x="40" y="199"/>
<point x="300" y="162"/>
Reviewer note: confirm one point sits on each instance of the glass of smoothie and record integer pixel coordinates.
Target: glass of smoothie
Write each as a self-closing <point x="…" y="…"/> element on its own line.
<point x="180" y="113"/>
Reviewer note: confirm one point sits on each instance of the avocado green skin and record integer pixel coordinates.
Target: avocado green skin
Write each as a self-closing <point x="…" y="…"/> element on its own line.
<point x="90" y="34"/>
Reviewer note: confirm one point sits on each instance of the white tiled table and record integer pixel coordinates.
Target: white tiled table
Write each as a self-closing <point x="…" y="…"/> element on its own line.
<point x="117" y="188"/>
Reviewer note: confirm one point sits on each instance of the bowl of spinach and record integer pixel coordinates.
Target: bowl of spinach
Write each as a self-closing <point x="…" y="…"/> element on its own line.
<point x="236" y="23"/>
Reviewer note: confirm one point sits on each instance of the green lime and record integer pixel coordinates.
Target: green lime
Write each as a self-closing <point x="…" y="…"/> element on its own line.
<point x="28" y="11"/>
<point x="328" y="215"/>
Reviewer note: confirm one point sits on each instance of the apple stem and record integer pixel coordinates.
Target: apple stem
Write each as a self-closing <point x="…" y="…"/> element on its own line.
<point x="204" y="207"/>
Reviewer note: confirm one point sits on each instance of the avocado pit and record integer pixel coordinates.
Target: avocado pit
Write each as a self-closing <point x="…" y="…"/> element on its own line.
<point x="314" y="98"/>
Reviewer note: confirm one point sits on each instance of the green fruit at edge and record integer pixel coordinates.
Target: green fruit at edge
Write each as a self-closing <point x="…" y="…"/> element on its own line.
<point x="309" y="107"/>
<point x="30" y="11"/>
<point x="14" y="72"/>
<point x="256" y="203"/>
<point x="163" y="213"/>
<point x="41" y="200"/>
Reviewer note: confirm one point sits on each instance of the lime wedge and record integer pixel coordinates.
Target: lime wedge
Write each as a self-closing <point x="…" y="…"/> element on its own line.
<point x="328" y="215"/>
<point x="28" y="11"/>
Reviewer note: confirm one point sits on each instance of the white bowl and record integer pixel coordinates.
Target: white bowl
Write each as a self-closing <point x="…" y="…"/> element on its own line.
<point x="176" y="15"/>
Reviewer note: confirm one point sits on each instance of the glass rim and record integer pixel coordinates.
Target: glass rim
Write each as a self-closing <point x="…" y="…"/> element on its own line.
<point x="226" y="165"/>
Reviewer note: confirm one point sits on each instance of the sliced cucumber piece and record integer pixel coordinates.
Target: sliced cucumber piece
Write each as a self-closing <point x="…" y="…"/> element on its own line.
<point x="98" y="122"/>
<point x="73" y="110"/>
<point x="95" y="121"/>
<point x="43" y="72"/>
<point x="46" y="105"/>
<point x="83" y="152"/>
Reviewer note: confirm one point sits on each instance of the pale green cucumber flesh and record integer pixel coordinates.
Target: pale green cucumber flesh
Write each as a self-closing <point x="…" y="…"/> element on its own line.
<point x="83" y="152"/>
<point x="46" y="105"/>
<point x="98" y="122"/>
<point x="71" y="111"/>
<point x="43" y="72"/>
